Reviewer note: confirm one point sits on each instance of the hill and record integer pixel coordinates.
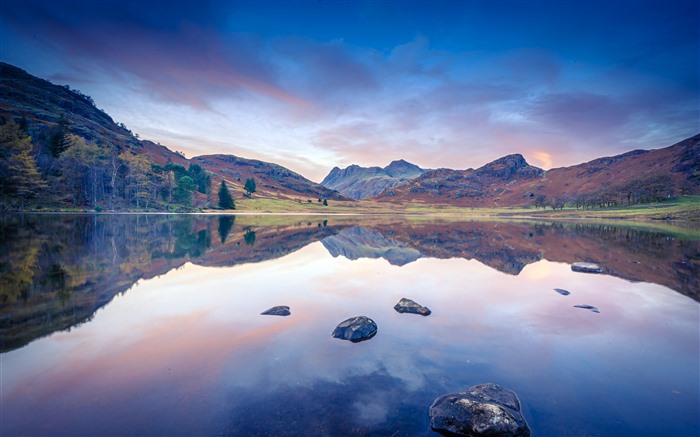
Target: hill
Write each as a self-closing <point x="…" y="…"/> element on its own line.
<point x="58" y="150"/>
<point x="639" y="176"/>
<point x="361" y="182"/>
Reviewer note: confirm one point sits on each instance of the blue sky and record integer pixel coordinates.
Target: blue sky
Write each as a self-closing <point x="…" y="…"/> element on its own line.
<point x="317" y="84"/>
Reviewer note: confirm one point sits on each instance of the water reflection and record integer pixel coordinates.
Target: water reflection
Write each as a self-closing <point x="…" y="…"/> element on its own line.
<point x="186" y="351"/>
<point x="56" y="271"/>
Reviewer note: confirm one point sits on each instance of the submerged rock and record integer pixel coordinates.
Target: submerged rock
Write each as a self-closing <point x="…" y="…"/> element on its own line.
<point x="562" y="291"/>
<point x="588" y="307"/>
<point x="483" y="410"/>
<point x="409" y="306"/>
<point x="281" y="310"/>
<point x="356" y="329"/>
<point x="586" y="267"/>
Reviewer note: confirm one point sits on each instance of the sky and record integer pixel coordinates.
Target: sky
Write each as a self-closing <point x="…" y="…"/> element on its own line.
<point x="316" y="84"/>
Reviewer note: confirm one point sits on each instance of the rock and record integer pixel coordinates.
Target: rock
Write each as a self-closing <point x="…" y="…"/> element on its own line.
<point x="562" y="291"/>
<point x="409" y="306"/>
<point x="281" y="310"/>
<point x="586" y="267"/>
<point x="588" y="307"/>
<point x="483" y="410"/>
<point x="356" y="329"/>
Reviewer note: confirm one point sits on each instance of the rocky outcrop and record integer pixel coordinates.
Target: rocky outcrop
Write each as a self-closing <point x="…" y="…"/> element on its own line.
<point x="562" y="291"/>
<point x="483" y="410"/>
<point x="409" y="306"/>
<point x="586" y="267"/>
<point x="509" y="167"/>
<point x="281" y="310"/>
<point x="356" y="329"/>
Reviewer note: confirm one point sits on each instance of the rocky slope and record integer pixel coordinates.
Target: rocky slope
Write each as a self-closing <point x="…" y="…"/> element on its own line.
<point x="633" y="177"/>
<point x="360" y="182"/>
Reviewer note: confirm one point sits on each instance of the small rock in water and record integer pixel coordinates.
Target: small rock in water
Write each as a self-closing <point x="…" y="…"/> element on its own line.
<point x="483" y="410"/>
<point x="281" y="310"/>
<point x="588" y="307"/>
<point x="586" y="267"/>
<point x="562" y="291"/>
<point x="356" y="329"/>
<point x="409" y="306"/>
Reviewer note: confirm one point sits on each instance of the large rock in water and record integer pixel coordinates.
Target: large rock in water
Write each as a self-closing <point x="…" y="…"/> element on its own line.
<point x="586" y="267"/>
<point x="483" y="410"/>
<point x="281" y="310"/>
<point x="409" y="306"/>
<point x="356" y="329"/>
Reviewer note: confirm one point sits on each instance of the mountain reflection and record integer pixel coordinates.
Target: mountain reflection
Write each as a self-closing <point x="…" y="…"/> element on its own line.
<point x="56" y="271"/>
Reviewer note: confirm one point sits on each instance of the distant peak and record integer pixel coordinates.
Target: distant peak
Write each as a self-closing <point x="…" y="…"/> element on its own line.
<point x="399" y="162"/>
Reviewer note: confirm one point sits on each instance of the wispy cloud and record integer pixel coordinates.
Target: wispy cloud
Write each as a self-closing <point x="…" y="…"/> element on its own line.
<point x="443" y="97"/>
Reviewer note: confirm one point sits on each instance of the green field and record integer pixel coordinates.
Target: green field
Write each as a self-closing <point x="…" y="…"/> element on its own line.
<point x="684" y="208"/>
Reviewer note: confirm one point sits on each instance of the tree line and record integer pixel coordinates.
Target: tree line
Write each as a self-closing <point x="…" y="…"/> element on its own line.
<point x="61" y="169"/>
<point x="642" y="190"/>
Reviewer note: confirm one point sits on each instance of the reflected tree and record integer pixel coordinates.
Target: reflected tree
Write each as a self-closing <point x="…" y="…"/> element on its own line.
<point x="249" y="237"/>
<point x="225" y="225"/>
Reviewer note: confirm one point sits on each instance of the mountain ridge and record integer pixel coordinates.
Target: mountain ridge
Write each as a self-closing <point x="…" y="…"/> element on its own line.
<point x="637" y="176"/>
<point x="359" y="182"/>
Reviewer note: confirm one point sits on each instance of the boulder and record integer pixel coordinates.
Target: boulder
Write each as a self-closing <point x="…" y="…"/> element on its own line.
<point x="483" y="410"/>
<point x="586" y="267"/>
<point x="281" y="310"/>
<point x="588" y="307"/>
<point x="356" y="329"/>
<point x="562" y="291"/>
<point x="409" y="306"/>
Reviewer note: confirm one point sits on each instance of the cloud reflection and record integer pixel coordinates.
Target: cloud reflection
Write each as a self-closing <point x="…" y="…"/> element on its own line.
<point x="191" y="344"/>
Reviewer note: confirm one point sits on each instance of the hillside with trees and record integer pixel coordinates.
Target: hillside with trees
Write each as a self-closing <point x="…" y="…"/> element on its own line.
<point x="58" y="150"/>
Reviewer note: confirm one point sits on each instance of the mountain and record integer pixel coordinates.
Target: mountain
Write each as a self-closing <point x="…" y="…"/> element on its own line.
<point x="103" y="256"/>
<point x="634" y="177"/>
<point x="360" y="182"/>
<point x="85" y="159"/>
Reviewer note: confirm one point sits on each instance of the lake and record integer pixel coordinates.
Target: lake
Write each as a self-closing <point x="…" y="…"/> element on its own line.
<point x="151" y="324"/>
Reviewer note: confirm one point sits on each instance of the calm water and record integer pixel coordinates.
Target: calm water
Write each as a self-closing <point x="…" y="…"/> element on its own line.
<point x="151" y="325"/>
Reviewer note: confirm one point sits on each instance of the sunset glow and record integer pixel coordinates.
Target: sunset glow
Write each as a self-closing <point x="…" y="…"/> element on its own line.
<point x="313" y="85"/>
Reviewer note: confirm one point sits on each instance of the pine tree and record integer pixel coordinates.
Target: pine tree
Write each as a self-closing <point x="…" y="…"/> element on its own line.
<point x="250" y="186"/>
<point x="225" y="199"/>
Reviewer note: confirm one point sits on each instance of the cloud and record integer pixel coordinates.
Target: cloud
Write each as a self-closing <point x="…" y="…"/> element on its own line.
<point x="317" y="102"/>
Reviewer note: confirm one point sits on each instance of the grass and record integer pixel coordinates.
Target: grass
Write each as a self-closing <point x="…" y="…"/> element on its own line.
<point x="679" y="217"/>
<point x="685" y="208"/>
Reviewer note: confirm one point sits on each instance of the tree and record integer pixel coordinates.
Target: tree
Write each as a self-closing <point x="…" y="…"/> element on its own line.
<point x="84" y="169"/>
<point x="249" y="186"/>
<point x="19" y="175"/>
<point x="540" y="201"/>
<point x="225" y="199"/>
<point x="58" y="140"/>
<point x="183" y="191"/>
<point x="200" y="177"/>
<point x="325" y="202"/>
<point x="138" y="182"/>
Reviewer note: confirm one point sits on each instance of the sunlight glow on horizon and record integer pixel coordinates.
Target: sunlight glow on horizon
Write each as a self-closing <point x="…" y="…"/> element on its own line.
<point x="314" y="86"/>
